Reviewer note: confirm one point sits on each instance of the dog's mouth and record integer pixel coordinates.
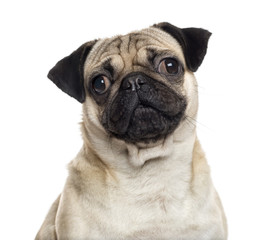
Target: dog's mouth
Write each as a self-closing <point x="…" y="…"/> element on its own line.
<point x="148" y="114"/>
<point x="148" y="123"/>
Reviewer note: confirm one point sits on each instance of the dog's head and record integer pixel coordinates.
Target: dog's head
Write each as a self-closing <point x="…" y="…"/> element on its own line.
<point x="138" y="87"/>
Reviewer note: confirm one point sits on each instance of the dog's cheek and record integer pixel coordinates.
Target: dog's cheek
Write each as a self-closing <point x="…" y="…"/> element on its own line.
<point x="163" y="99"/>
<point x="190" y="91"/>
<point x="92" y="113"/>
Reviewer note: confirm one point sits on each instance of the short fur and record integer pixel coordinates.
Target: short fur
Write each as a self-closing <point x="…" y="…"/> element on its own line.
<point x="129" y="187"/>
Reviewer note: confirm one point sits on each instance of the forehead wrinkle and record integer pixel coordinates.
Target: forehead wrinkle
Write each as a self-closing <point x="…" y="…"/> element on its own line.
<point x="127" y="48"/>
<point x="95" y="59"/>
<point x="132" y="48"/>
<point x="166" y="41"/>
<point x="113" y="47"/>
<point x="105" y="46"/>
<point x="157" y="37"/>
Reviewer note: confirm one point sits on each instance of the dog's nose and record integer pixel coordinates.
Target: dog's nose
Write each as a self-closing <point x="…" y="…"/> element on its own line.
<point x="133" y="82"/>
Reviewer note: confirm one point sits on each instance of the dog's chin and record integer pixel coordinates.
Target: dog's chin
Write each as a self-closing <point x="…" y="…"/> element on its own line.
<point x="147" y="125"/>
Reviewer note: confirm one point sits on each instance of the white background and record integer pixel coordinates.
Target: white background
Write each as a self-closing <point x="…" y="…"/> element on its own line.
<point x="39" y="130"/>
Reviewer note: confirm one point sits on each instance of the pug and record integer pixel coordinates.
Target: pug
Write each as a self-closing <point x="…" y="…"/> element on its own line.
<point x="141" y="172"/>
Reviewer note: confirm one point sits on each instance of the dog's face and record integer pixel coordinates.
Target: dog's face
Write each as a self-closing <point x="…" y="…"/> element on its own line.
<point x="137" y="87"/>
<point x="136" y="82"/>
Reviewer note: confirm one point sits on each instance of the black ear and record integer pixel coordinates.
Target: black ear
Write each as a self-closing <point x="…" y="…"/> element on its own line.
<point x="67" y="74"/>
<point x="194" y="42"/>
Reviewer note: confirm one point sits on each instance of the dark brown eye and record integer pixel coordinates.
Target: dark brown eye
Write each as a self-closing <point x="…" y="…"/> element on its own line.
<point x="169" y="66"/>
<point x="101" y="84"/>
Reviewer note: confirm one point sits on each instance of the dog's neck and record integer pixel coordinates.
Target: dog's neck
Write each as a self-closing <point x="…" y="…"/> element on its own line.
<point x="124" y="157"/>
<point x="138" y="168"/>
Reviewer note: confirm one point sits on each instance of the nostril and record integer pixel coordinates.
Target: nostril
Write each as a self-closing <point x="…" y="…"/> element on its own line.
<point x="140" y="81"/>
<point x="126" y="85"/>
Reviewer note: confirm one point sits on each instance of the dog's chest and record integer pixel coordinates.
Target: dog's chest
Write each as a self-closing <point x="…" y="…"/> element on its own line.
<point x="155" y="214"/>
<point x="154" y="206"/>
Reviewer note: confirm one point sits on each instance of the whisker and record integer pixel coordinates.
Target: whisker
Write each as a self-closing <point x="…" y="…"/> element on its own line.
<point x="197" y="122"/>
<point x="189" y="123"/>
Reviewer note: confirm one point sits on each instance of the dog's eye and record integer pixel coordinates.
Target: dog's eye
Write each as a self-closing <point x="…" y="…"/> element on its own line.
<point x="101" y="84"/>
<point x="169" y="66"/>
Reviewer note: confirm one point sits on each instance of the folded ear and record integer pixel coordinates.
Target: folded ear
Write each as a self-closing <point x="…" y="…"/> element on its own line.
<point x="67" y="74"/>
<point x="194" y="42"/>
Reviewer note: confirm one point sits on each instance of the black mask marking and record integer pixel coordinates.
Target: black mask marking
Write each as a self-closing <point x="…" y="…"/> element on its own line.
<point x="143" y="110"/>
